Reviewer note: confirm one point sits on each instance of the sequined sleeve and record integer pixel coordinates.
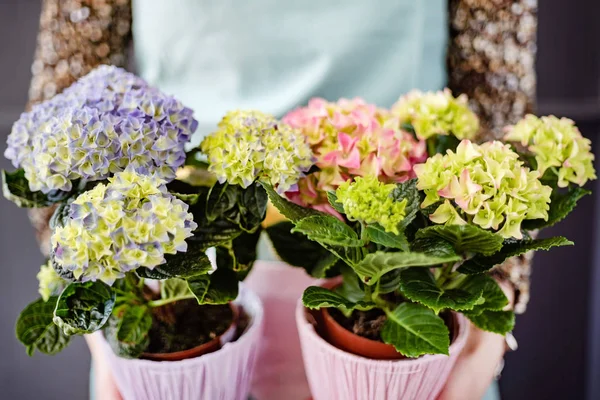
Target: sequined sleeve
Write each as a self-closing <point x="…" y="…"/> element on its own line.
<point x="74" y="37"/>
<point x="491" y="58"/>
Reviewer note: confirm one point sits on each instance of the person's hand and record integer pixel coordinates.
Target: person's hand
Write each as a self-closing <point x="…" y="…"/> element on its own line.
<point x="104" y="383"/>
<point x="476" y="366"/>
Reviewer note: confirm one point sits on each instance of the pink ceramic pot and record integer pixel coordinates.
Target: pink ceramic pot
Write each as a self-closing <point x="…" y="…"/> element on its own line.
<point x="224" y="374"/>
<point x="335" y="374"/>
<point x="281" y="372"/>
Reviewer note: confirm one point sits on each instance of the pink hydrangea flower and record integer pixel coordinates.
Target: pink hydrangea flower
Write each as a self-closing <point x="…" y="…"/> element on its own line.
<point x="351" y="138"/>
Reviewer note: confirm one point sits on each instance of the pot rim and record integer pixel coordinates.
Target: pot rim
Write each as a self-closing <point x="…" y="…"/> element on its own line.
<point x="306" y="327"/>
<point x="202" y="349"/>
<point x="255" y="311"/>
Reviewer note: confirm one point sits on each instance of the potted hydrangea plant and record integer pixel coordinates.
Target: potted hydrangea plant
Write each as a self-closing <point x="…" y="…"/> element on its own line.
<point x="411" y="217"/>
<point x="149" y="262"/>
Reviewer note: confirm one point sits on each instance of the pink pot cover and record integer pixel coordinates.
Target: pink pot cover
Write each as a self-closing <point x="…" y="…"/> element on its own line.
<point x="225" y="374"/>
<point x="281" y="373"/>
<point x="335" y="374"/>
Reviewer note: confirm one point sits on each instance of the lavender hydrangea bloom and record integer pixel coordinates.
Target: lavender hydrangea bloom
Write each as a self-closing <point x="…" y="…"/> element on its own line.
<point x="104" y="122"/>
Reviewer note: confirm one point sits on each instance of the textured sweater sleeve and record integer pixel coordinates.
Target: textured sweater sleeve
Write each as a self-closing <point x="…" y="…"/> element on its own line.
<point x="491" y="58"/>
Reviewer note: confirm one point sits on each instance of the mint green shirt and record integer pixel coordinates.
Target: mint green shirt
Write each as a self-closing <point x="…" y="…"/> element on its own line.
<point x="273" y="55"/>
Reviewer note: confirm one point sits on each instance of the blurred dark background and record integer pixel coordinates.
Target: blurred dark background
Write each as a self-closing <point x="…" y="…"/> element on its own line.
<point x="559" y="336"/>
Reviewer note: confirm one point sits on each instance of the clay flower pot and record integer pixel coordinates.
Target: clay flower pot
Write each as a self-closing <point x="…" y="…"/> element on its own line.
<point x="335" y="373"/>
<point x="222" y="374"/>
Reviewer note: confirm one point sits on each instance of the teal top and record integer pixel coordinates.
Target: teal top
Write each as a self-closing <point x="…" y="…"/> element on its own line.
<point x="273" y="55"/>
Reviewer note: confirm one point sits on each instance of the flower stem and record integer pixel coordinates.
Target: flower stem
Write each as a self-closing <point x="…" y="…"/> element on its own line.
<point x="162" y="302"/>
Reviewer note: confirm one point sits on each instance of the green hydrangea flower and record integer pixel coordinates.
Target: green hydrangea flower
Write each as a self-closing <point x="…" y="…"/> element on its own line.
<point x="50" y="283"/>
<point x="370" y="201"/>
<point x="112" y="229"/>
<point x="250" y="145"/>
<point x="557" y="145"/>
<point x="436" y="113"/>
<point x="486" y="185"/>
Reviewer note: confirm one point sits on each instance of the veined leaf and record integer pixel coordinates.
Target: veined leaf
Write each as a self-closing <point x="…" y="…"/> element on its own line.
<point x="291" y="211"/>
<point x="127" y="330"/>
<point x="176" y="289"/>
<point x="464" y="238"/>
<point x="374" y="265"/>
<point x="419" y="285"/>
<point x="181" y="265"/>
<point x="388" y="239"/>
<point x="481" y="264"/>
<point x="408" y="190"/>
<point x="316" y="297"/>
<point x="561" y="204"/>
<point x="220" y="287"/>
<point x="332" y="198"/>
<point x="492" y="296"/>
<point x="433" y="246"/>
<point x="36" y="330"/>
<point x="16" y="189"/>
<point x="415" y="330"/>
<point x="500" y="322"/>
<point x="328" y="230"/>
<point x="84" y="307"/>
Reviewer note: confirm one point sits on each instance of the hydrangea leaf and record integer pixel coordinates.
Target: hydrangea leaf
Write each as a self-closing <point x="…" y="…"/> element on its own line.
<point x="464" y="238"/>
<point x="175" y="289"/>
<point x="180" y="265"/>
<point x="561" y="204"/>
<point x="291" y="211"/>
<point x="337" y="206"/>
<point x="414" y="330"/>
<point x="240" y="254"/>
<point x="419" y="285"/>
<point x="316" y="297"/>
<point x="375" y="265"/>
<point x="36" y="330"/>
<point x="16" y="189"/>
<point x="297" y="250"/>
<point x="220" y="287"/>
<point x="328" y="230"/>
<point x="500" y="322"/>
<point x="512" y="248"/>
<point x="388" y="239"/>
<point x="492" y="296"/>
<point x="84" y="307"/>
<point x="433" y="246"/>
<point x="127" y="330"/>
<point x="407" y="190"/>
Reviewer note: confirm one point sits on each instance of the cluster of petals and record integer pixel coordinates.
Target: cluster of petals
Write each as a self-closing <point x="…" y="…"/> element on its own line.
<point x="351" y="138"/>
<point x="486" y="185"/>
<point x="104" y="122"/>
<point x="130" y="222"/>
<point x="557" y="145"/>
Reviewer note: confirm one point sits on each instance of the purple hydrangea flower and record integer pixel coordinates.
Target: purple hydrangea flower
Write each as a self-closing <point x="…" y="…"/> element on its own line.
<point x="106" y="121"/>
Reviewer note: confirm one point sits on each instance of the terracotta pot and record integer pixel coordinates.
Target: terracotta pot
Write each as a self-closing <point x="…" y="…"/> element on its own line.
<point x="223" y="374"/>
<point x="334" y="373"/>
<point x="205" y="348"/>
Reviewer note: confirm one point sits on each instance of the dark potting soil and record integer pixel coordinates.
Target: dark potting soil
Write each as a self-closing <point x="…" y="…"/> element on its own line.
<point x="368" y="324"/>
<point x="184" y="324"/>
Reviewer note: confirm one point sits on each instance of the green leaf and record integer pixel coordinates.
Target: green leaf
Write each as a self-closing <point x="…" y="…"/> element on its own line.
<point x="481" y="264"/>
<point x="415" y="330"/>
<point x="176" y="289"/>
<point x="374" y="265"/>
<point x="36" y="330"/>
<point x="561" y="204"/>
<point x="388" y="239"/>
<point x="332" y="198"/>
<point x="298" y="250"/>
<point x="500" y="322"/>
<point x="433" y="246"/>
<point x="240" y="254"/>
<point x="492" y="296"/>
<point x="291" y="211"/>
<point x="464" y="238"/>
<point x="419" y="285"/>
<point x="220" y="287"/>
<point x="328" y="231"/>
<point x="16" y="189"/>
<point x="408" y="190"/>
<point x="350" y="288"/>
<point x="316" y="297"/>
<point x="127" y="330"/>
<point x="84" y="307"/>
<point x="180" y="265"/>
